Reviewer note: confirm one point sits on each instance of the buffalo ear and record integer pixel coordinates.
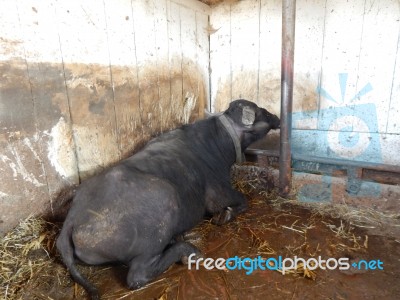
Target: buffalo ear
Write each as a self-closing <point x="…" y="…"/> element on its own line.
<point x="248" y="115"/>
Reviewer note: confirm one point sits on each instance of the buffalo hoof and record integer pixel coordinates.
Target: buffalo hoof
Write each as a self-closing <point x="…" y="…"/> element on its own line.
<point x="187" y="250"/>
<point x="136" y="285"/>
<point x="223" y="217"/>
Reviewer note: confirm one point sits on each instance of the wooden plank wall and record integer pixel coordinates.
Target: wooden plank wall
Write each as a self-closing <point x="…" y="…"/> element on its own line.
<point x="84" y="83"/>
<point x="347" y="71"/>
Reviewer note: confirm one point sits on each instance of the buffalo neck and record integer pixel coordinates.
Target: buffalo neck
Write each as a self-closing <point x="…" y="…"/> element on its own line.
<point x="212" y="143"/>
<point x="227" y="125"/>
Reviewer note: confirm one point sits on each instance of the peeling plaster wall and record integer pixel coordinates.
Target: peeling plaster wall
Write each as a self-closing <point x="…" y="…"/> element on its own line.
<point x="346" y="72"/>
<point x="84" y="84"/>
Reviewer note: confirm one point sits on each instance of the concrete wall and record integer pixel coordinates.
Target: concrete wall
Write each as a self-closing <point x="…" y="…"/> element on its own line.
<point x="83" y="83"/>
<point x="347" y="71"/>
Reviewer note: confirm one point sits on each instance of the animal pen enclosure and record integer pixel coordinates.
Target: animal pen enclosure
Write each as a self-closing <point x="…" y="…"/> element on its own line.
<point x="86" y="83"/>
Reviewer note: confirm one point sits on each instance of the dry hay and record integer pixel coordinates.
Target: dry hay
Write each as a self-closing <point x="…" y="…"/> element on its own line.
<point x="260" y="182"/>
<point x="164" y="284"/>
<point x="25" y="252"/>
<point x="346" y="223"/>
<point x="252" y="180"/>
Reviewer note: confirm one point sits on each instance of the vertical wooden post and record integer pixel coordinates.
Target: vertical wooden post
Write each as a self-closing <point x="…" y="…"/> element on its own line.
<point x="288" y="34"/>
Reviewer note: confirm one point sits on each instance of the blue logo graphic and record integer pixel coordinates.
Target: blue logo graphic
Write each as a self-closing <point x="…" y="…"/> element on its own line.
<point x="343" y="86"/>
<point x="346" y="131"/>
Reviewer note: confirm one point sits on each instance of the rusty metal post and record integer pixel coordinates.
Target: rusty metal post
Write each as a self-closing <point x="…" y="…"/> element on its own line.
<point x="288" y="30"/>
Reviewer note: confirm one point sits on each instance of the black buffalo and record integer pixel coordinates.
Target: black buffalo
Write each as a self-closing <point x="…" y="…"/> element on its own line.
<point x="133" y="212"/>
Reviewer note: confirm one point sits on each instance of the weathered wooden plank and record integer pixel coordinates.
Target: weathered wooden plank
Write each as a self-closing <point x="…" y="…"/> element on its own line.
<point x="175" y="59"/>
<point x="161" y="27"/>
<point x="245" y="49"/>
<point x="393" y="118"/>
<point x="393" y="123"/>
<point x="341" y="50"/>
<point x="220" y="57"/>
<point x="121" y="45"/>
<point x="146" y="55"/>
<point x="24" y="179"/>
<point x="270" y="54"/>
<point x="187" y="39"/>
<point x="203" y="55"/>
<point x="53" y="144"/>
<point x="84" y="47"/>
<point x="310" y="18"/>
<point x="190" y="71"/>
<point x="379" y="46"/>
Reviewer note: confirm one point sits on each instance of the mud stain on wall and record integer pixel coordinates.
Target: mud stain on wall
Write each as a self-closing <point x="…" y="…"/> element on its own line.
<point x="266" y="92"/>
<point x="60" y="124"/>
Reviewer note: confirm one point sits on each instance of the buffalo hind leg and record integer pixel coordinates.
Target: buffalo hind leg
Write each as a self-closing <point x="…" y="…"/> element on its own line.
<point x="144" y="268"/>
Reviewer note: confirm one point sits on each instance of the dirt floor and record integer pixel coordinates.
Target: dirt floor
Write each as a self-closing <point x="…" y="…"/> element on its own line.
<point x="271" y="227"/>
